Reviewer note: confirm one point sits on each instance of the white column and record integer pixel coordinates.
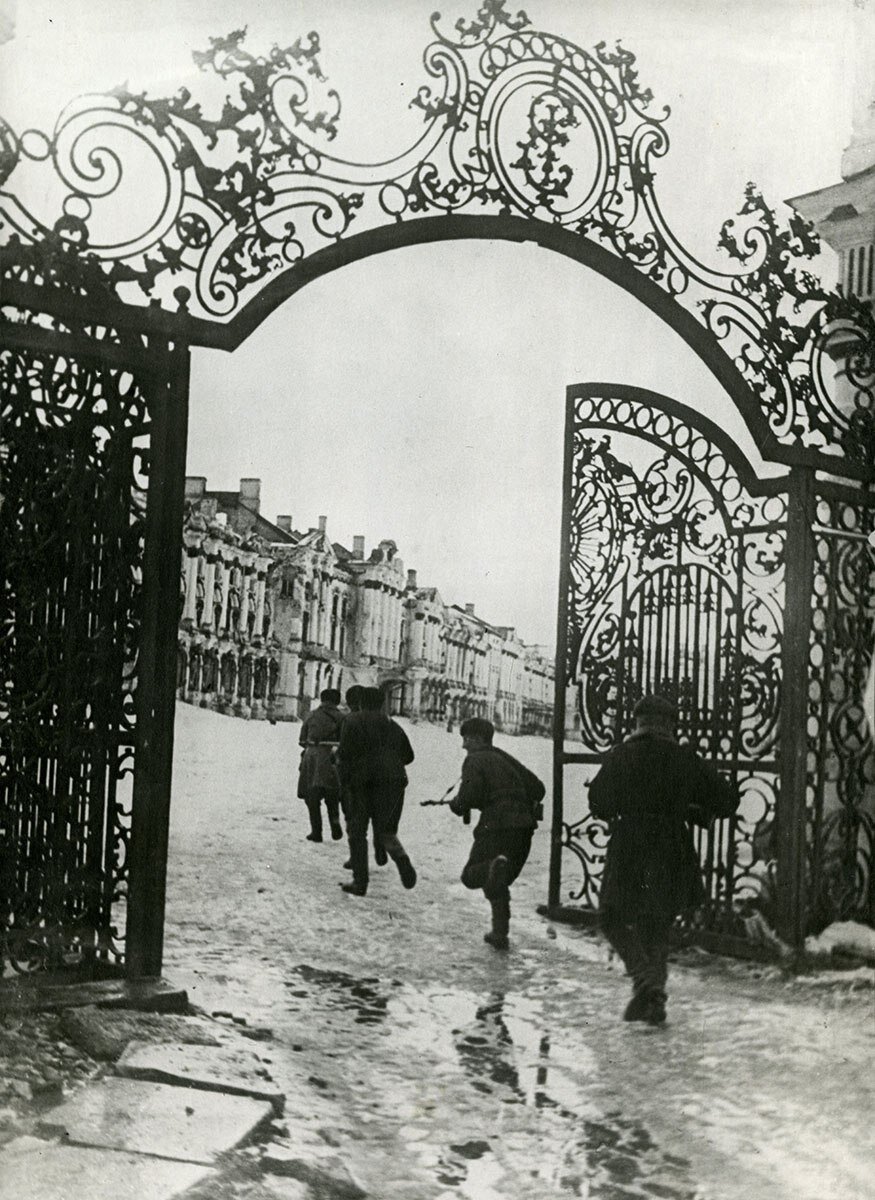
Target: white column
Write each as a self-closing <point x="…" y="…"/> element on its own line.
<point x="259" y="604"/>
<point x="374" y="620"/>
<point x="378" y="619"/>
<point x="377" y="628"/>
<point x="393" y="624"/>
<point x="360" y="626"/>
<point x="209" y="586"/>
<point x="312" y="669"/>
<point x="191" y="570"/>
<point x="387" y="622"/>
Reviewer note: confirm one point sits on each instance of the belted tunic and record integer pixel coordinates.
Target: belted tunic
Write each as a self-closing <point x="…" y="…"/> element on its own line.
<point x="320" y="734"/>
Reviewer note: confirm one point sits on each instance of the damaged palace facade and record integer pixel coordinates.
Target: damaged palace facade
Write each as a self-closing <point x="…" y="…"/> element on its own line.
<point x="270" y="616"/>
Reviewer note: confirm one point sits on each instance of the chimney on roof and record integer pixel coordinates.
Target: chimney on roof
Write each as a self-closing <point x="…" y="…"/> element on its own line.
<point x="469" y="610"/>
<point x="195" y="486"/>
<point x="284" y="523"/>
<point x="323" y="521"/>
<point x="411" y="579"/>
<point x="358" y="546"/>
<point x="250" y="493"/>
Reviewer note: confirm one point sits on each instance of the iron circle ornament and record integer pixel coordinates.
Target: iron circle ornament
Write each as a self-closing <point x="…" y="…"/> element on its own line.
<point x="563" y="123"/>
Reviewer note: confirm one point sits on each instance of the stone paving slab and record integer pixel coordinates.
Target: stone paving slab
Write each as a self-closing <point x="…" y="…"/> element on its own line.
<point x="103" y="1033"/>
<point x="37" y="1170"/>
<point x="150" y="994"/>
<point x="156" y="1118"/>
<point x="235" y="1071"/>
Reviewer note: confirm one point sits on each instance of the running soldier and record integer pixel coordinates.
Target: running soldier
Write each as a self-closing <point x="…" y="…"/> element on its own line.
<point x="373" y="754"/>
<point x="509" y="798"/>
<point x="649" y="789"/>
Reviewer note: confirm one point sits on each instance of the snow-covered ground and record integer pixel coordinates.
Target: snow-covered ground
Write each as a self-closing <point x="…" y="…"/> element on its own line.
<point x="438" y="1068"/>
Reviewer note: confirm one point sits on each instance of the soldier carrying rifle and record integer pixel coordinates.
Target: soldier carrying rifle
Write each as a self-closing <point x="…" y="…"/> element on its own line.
<point x="509" y="798"/>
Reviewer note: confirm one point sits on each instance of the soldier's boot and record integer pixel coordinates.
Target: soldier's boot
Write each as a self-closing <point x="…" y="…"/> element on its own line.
<point x="314" y="808"/>
<point x="406" y="869"/>
<point x="358" y="859"/>
<point x="638" y="1008"/>
<point x="392" y="846"/>
<point x="497" y="936"/>
<point x="656" y="1007"/>
<point x="333" y="807"/>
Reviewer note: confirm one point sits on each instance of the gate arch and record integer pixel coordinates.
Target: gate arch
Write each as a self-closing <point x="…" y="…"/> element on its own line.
<point x="527" y="137"/>
<point x="208" y="218"/>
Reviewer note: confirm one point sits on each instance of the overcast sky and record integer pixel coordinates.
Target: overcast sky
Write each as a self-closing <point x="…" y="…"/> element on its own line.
<point x="419" y="395"/>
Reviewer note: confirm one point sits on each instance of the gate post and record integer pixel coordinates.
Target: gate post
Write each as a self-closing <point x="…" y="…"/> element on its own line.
<point x="156" y="676"/>
<point x="790" y="809"/>
<point x="561" y="670"/>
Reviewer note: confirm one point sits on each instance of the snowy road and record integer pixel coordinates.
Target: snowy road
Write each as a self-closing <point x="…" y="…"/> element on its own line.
<point x="441" y="1069"/>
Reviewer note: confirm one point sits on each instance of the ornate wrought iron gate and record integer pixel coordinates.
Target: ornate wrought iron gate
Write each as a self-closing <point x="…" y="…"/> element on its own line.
<point x="177" y="221"/>
<point x="82" y="537"/>
<point x="679" y="568"/>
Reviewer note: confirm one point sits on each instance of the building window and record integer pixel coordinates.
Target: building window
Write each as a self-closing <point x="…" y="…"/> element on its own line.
<point x="334" y="622"/>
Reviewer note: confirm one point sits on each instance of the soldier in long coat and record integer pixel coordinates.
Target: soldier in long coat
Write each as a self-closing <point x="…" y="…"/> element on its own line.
<point x="651" y="790"/>
<point x="508" y="796"/>
<point x="374" y="752"/>
<point x="354" y="704"/>
<point x="318" y="779"/>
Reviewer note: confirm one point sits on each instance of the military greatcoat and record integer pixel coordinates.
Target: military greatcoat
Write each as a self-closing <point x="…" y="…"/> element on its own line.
<point x="651" y="790"/>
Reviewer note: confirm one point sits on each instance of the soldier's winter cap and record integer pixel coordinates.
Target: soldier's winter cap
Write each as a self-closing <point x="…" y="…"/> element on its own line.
<point x="656" y="708"/>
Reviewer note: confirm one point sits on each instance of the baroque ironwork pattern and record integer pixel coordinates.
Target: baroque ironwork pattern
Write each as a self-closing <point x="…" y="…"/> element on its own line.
<point x="197" y="206"/>
<point x="676" y="586"/>
<point x="74" y="467"/>
<point x="841" y="778"/>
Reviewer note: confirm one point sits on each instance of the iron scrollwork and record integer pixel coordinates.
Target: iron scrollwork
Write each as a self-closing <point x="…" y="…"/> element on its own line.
<point x="676" y="580"/>
<point x="198" y="206"/>
<point x="841" y="779"/>
<point x="74" y="466"/>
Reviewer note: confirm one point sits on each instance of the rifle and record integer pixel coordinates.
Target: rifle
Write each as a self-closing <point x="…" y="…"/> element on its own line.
<point x="445" y="800"/>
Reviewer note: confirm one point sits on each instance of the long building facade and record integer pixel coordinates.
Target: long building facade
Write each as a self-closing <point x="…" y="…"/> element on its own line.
<point x="271" y="615"/>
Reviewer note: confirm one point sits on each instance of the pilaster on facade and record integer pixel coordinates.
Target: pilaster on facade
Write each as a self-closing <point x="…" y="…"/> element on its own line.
<point x="224" y="659"/>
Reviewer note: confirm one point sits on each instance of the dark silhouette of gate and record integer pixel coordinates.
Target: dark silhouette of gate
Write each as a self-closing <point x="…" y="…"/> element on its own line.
<point x="180" y="223"/>
<point x="686" y="576"/>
